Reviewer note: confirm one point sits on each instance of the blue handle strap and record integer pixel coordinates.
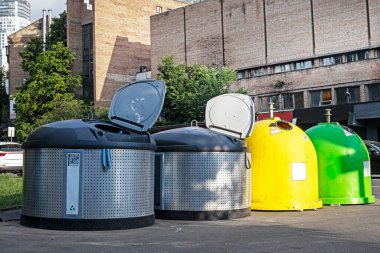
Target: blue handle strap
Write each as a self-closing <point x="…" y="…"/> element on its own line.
<point x="106" y="159"/>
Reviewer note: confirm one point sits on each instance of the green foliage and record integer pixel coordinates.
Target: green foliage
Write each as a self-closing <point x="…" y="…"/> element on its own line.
<point x="58" y="29"/>
<point x="189" y="88"/>
<point x="30" y="53"/>
<point x="48" y="94"/>
<point x="10" y="191"/>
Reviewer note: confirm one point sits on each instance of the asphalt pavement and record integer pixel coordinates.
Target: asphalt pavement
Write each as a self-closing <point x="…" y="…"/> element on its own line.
<point x="354" y="228"/>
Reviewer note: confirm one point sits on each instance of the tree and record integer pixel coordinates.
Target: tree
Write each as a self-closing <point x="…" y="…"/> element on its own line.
<point x="48" y="94"/>
<point x="58" y="29"/>
<point x="189" y="88"/>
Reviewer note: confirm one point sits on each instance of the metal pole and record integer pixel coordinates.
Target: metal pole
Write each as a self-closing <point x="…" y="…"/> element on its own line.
<point x="44" y="29"/>
<point x="271" y="109"/>
<point x="328" y="115"/>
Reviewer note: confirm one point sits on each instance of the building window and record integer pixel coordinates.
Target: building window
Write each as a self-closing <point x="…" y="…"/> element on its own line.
<point x="243" y="74"/>
<point x="374" y="92"/>
<point x="358" y="56"/>
<point x="332" y="60"/>
<point x="320" y="97"/>
<point x="259" y="72"/>
<point x="264" y="102"/>
<point x="378" y="53"/>
<point x="158" y="9"/>
<point x="293" y="100"/>
<point x="304" y="65"/>
<point x="347" y="95"/>
<point x="87" y="63"/>
<point x="282" y="68"/>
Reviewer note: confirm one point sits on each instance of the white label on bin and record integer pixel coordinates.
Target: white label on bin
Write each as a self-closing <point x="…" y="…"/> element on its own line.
<point x="367" y="169"/>
<point x="347" y="133"/>
<point x="298" y="171"/>
<point x="274" y="130"/>
<point x="72" y="183"/>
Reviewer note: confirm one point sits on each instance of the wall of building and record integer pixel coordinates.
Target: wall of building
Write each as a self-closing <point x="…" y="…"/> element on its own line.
<point x="16" y="44"/>
<point x="268" y="33"/>
<point x="121" y="40"/>
<point x="77" y="16"/>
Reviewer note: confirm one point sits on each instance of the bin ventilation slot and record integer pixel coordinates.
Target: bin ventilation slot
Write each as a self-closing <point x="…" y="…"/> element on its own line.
<point x="111" y="129"/>
<point x="128" y="121"/>
<point x="284" y="125"/>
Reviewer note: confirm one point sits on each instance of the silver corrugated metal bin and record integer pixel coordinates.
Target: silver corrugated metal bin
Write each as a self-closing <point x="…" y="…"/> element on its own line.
<point x="94" y="175"/>
<point x="203" y="174"/>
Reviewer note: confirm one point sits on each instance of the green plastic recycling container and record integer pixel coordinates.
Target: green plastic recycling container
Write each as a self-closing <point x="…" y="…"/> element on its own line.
<point x="344" y="172"/>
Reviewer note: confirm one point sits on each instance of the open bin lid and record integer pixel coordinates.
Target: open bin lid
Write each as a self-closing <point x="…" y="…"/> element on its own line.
<point x="231" y="114"/>
<point x="138" y="105"/>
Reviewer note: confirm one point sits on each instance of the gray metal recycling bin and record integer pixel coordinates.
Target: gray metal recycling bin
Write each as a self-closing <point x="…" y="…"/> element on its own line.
<point x="202" y="174"/>
<point x="95" y="175"/>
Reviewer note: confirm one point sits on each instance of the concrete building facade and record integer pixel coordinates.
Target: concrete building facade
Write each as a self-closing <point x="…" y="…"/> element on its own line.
<point x="112" y="41"/>
<point x="296" y="53"/>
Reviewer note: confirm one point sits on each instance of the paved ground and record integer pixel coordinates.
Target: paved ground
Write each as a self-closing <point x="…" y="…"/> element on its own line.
<point x="331" y="229"/>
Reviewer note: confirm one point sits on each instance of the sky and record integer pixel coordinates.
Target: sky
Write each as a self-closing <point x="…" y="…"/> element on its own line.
<point x="57" y="6"/>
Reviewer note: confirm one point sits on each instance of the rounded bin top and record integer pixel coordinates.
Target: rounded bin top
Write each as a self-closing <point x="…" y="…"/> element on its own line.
<point x="333" y="138"/>
<point x="92" y="134"/>
<point x="196" y="139"/>
<point x="274" y="137"/>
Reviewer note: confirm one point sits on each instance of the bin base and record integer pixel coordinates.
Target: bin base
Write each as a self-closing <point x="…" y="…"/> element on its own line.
<point x="286" y="206"/>
<point x="87" y="224"/>
<point x="202" y="215"/>
<point x="348" y="201"/>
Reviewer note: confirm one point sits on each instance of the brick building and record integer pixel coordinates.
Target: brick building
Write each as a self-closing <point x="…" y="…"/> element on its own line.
<point x="303" y="55"/>
<point x="112" y="42"/>
<point x="16" y="43"/>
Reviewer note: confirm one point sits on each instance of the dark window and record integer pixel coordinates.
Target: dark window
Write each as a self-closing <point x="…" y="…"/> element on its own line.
<point x="352" y="57"/>
<point x="374" y="92"/>
<point x="243" y="74"/>
<point x="293" y="100"/>
<point x="378" y="53"/>
<point x="264" y="102"/>
<point x="337" y="59"/>
<point x="358" y="56"/>
<point x="288" y="101"/>
<point x="363" y="55"/>
<point x="298" y="100"/>
<point x="87" y="67"/>
<point x="348" y="95"/>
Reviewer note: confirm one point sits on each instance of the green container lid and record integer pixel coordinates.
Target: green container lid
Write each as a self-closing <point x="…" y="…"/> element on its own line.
<point x="344" y="172"/>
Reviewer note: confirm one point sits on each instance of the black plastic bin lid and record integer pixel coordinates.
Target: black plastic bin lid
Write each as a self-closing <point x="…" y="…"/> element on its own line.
<point x="196" y="139"/>
<point x="138" y="105"/>
<point x="91" y="134"/>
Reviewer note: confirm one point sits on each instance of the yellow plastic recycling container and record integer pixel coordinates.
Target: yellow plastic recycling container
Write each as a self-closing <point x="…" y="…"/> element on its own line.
<point x="284" y="167"/>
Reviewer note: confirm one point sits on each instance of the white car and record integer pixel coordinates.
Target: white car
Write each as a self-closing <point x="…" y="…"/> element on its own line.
<point x="11" y="157"/>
